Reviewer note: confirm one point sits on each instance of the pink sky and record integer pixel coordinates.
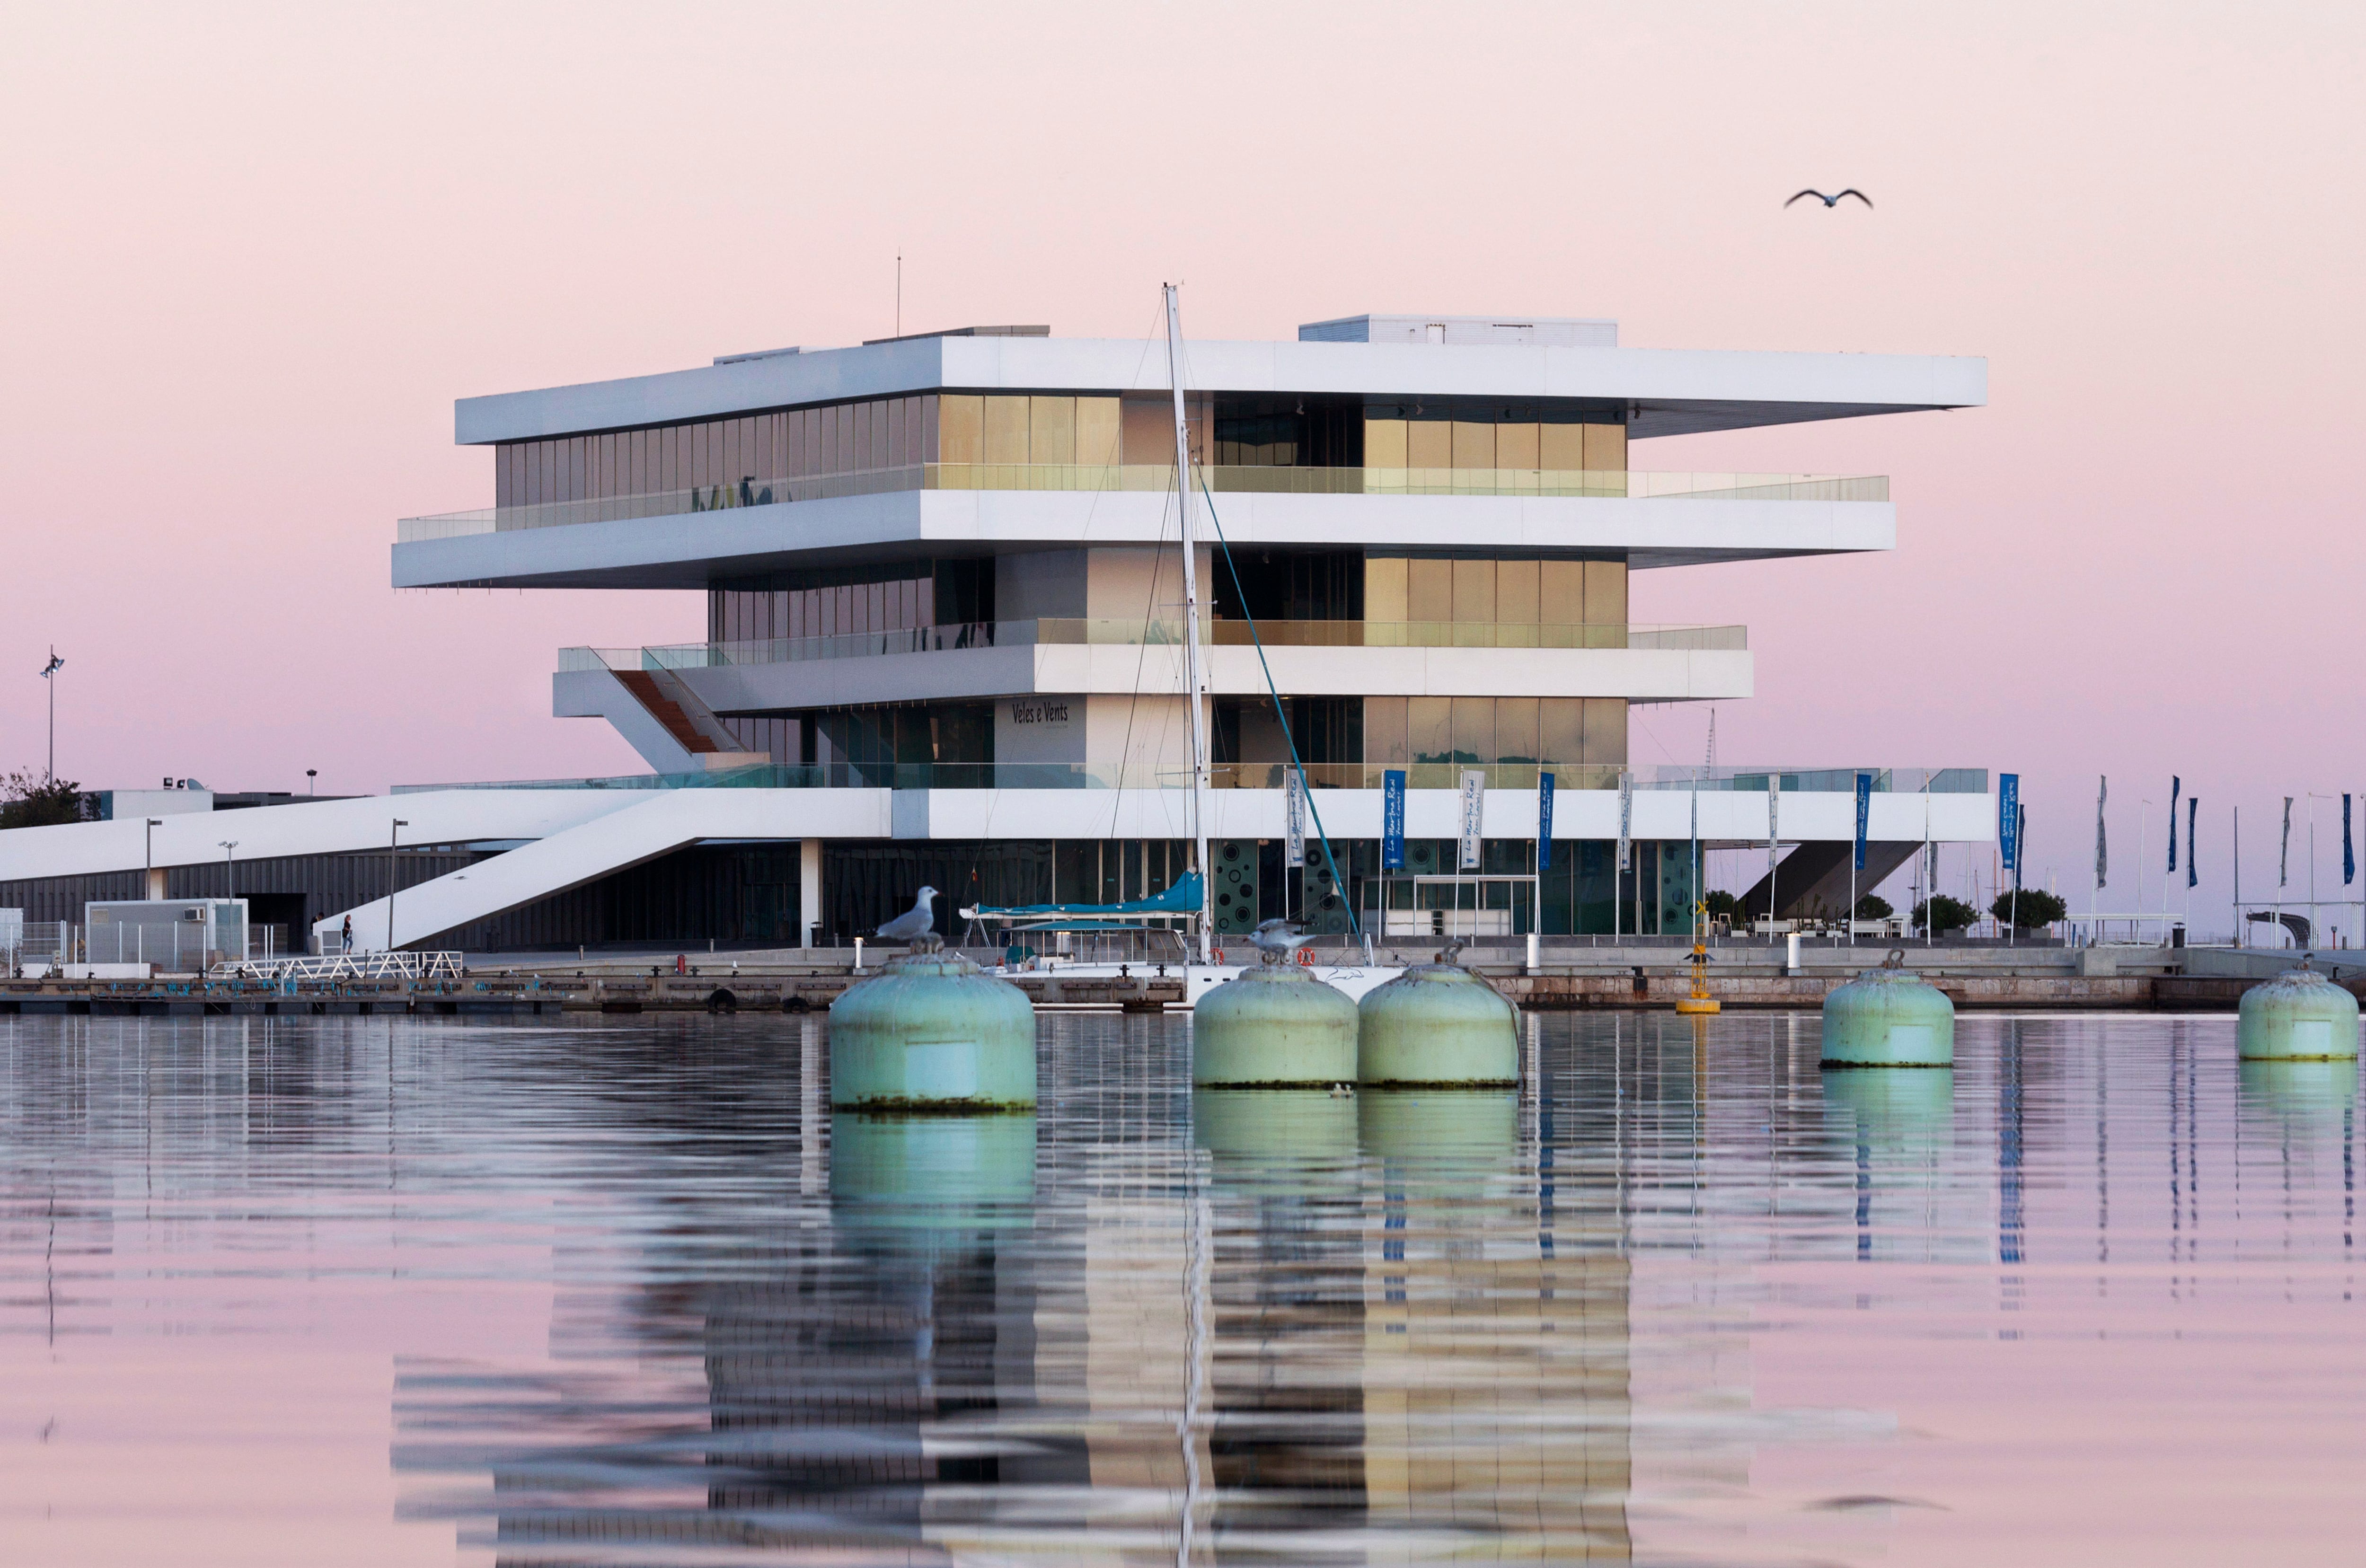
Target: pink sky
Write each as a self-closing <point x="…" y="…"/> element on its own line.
<point x="253" y="253"/>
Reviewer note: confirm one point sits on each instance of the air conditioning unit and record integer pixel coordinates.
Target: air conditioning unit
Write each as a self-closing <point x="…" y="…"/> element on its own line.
<point x="197" y="914"/>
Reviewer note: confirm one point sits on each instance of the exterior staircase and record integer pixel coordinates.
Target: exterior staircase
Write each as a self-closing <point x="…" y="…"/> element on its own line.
<point x="666" y="711"/>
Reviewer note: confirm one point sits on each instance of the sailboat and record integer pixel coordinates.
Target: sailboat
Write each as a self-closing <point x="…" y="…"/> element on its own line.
<point x="1202" y="962"/>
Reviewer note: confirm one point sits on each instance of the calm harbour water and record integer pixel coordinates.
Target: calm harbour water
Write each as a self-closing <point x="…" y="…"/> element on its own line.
<point x="364" y="1291"/>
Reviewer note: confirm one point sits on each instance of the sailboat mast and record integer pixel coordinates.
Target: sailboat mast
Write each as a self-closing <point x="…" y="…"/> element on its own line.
<point x="1192" y="683"/>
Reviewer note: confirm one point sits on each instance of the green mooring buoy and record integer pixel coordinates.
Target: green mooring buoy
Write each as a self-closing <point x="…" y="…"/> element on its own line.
<point x="1273" y="1026"/>
<point x="1437" y="1024"/>
<point x="1889" y="1017"/>
<point x="933" y="1031"/>
<point x="2299" y="1016"/>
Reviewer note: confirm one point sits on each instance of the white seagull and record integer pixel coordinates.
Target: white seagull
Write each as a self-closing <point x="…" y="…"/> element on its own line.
<point x="1278" y="940"/>
<point x="912" y="924"/>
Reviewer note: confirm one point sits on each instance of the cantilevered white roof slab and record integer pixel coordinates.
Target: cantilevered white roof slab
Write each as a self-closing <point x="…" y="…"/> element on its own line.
<point x="1675" y="392"/>
<point x="690" y="549"/>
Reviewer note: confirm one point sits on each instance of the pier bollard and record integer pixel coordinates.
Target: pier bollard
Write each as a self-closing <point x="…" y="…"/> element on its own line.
<point x="1274" y="1026"/>
<point x="2299" y="1016"/>
<point x="933" y="1031"/>
<point x="1889" y="1017"/>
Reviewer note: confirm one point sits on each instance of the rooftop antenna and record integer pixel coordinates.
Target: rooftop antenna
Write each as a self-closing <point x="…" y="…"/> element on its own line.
<point x="1712" y="740"/>
<point x="899" y="291"/>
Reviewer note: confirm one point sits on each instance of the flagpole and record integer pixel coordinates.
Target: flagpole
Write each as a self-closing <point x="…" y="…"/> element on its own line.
<point x="2238" y="878"/>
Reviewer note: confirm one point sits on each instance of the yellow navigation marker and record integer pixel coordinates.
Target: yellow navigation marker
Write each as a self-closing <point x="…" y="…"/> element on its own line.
<point x="1700" y="1001"/>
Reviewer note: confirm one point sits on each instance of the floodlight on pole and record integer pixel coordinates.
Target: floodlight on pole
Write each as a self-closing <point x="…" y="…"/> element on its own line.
<point x="49" y="675"/>
<point x="229" y="876"/>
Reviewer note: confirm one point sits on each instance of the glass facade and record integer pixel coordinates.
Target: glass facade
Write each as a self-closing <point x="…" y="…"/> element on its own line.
<point x="888" y="596"/>
<point x="870" y="743"/>
<point x="720" y="455"/>
<point x="732" y="462"/>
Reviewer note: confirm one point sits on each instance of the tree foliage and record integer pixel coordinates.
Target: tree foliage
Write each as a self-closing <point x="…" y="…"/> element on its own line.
<point x="1873" y="907"/>
<point x="2036" y="910"/>
<point x="27" y="800"/>
<point x="1945" y="915"/>
<point x="1721" y="904"/>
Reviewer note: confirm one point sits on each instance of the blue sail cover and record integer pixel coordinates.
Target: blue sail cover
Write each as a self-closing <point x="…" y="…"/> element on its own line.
<point x="1183" y="899"/>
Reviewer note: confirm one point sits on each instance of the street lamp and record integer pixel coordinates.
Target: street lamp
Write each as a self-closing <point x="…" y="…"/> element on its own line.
<point x="229" y="876"/>
<point x="391" y="835"/>
<point x="310" y="774"/>
<point x="49" y="673"/>
<point x="147" y="859"/>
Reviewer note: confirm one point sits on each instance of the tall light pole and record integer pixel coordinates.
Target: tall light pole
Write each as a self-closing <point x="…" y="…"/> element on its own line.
<point x="393" y="834"/>
<point x="49" y="673"/>
<point x="229" y="875"/>
<point x="310" y="774"/>
<point x="148" y="858"/>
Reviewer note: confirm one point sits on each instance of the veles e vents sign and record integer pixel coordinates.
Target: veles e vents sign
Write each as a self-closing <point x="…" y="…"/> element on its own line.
<point x="1039" y="712"/>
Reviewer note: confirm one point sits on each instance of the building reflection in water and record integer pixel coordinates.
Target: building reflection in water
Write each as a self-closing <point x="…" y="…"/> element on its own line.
<point x="1158" y="1326"/>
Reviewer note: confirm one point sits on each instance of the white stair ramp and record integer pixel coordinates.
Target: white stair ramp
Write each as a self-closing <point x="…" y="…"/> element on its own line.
<point x="664" y="821"/>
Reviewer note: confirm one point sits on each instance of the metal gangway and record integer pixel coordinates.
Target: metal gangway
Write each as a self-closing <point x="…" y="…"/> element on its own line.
<point x="331" y="967"/>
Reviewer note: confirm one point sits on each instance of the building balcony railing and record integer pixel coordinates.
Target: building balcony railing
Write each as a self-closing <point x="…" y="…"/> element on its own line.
<point x="1151" y="478"/>
<point x="1069" y="775"/>
<point x="1837" y="781"/>
<point x="1221" y="633"/>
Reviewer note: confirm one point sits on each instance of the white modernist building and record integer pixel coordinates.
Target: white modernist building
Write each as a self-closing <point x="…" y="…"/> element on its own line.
<point x="945" y="635"/>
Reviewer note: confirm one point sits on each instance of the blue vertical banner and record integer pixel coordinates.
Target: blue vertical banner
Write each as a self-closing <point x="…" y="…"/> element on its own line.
<point x="1544" y="822"/>
<point x="1393" y="819"/>
<point x="2192" y="810"/>
<point x="1864" y="812"/>
<point x="2009" y="819"/>
<point x="2175" y="784"/>
<point x="2349" y="860"/>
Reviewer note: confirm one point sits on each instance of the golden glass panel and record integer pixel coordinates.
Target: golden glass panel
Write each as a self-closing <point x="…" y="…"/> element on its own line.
<point x="1474" y="445"/>
<point x="1606" y="729"/>
<point x="1516" y="730"/>
<point x="1561" y="448"/>
<point x="1006" y="430"/>
<point x="1384" y="590"/>
<point x="1605" y="448"/>
<point x="1474" y="730"/>
<point x="961" y="428"/>
<point x="1430" y="444"/>
<point x="1429" y="728"/>
<point x="1385" y="444"/>
<point x="1516" y="447"/>
<point x="1560" y="729"/>
<point x="1429" y="591"/>
<point x="1605" y="593"/>
<point x="1516" y="586"/>
<point x="1385" y="733"/>
<point x="1051" y="429"/>
<point x="1474" y="591"/>
<point x="1097" y="439"/>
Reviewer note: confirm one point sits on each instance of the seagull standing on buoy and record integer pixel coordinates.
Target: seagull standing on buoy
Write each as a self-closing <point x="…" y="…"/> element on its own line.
<point x="1835" y="199"/>
<point x="915" y="925"/>
<point x="1278" y="940"/>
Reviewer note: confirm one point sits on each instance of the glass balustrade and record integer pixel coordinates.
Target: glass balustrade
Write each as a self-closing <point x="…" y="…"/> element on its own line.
<point x="1621" y="484"/>
<point x="977" y="635"/>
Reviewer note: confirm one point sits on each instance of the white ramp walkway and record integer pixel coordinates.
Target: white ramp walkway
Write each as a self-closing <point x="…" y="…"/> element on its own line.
<point x="658" y="823"/>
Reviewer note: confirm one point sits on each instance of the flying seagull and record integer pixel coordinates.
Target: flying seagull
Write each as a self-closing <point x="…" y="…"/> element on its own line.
<point x="914" y="923"/>
<point x="1835" y="200"/>
<point x="1278" y="940"/>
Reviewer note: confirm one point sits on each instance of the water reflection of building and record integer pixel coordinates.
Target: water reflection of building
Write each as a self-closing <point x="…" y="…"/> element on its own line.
<point x="1266" y="1328"/>
<point x="1495" y="1372"/>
